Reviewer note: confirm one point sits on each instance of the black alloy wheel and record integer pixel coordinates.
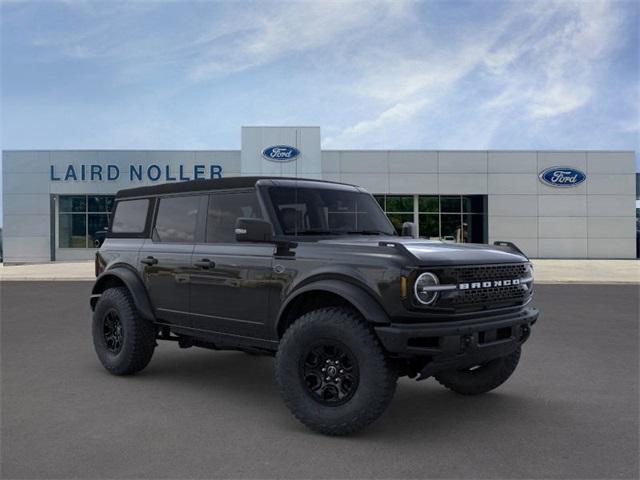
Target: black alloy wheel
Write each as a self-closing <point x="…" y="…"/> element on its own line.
<point x="330" y="373"/>
<point x="333" y="373"/>
<point x="123" y="340"/>
<point x="113" y="332"/>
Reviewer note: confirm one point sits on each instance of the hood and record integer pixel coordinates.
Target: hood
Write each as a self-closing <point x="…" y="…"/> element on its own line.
<point x="436" y="252"/>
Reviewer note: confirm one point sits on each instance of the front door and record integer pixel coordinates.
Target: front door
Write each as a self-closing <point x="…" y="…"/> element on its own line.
<point x="166" y="258"/>
<point x="230" y="289"/>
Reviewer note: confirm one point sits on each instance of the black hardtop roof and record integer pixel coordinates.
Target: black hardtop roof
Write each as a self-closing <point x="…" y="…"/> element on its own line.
<point x="212" y="184"/>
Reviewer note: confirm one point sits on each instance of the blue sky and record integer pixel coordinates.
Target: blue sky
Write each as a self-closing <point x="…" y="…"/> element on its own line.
<point x="402" y="74"/>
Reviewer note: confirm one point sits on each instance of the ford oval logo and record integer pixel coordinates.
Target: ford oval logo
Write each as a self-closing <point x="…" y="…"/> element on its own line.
<point x="562" y="177"/>
<point x="280" y="153"/>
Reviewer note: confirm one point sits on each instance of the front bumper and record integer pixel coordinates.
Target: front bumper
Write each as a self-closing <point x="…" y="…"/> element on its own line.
<point x="458" y="344"/>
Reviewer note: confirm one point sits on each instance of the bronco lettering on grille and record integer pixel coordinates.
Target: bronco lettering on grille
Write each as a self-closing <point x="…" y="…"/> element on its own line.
<point x="488" y="284"/>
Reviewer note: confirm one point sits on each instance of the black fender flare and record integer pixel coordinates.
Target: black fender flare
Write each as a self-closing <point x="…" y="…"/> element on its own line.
<point x="133" y="282"/>
<point x="362" y="300"/>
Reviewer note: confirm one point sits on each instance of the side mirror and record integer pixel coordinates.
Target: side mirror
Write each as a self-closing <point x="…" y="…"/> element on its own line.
<point x="253" y="230"/>
<point x="408" y="229"/>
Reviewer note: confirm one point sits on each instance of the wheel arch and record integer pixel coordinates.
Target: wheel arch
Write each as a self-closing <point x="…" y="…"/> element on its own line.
<point x="122" y="276"/>
<point x="326" y="293"/>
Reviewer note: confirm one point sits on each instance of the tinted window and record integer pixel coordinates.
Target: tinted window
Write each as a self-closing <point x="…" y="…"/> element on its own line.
<point x="72" y="229"/>
<point x="176" y="219"/>
<point x="225" y="209"/>
<point x="428" y="204"/>
<point x="451" y="204"/>
<point x="325" y="211"/>
<point x="474" y="204"/>
<point x="73" y="203"/>
<point x="83" y="219"/>
<point x="99" y="203"/>
<point x="130" y="216"/>
<point x="399" y="204"/>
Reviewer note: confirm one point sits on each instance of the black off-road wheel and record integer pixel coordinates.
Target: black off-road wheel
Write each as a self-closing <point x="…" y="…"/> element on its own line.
<point x="480" y="378"/>
<point x="333" y="373"/>
<point x="123" y="341"/>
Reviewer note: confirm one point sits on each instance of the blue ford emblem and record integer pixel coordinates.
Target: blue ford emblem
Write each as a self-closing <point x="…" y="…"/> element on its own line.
<point x="280" y="153"/>
<point x="562" y="177"/>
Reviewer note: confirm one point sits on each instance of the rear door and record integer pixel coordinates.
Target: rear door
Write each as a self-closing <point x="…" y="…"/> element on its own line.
<point x="166" y="257"/>
<point x="230" y="290"/>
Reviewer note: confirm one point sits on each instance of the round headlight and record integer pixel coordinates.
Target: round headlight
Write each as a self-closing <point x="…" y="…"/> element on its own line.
<point x="423" y="288"/>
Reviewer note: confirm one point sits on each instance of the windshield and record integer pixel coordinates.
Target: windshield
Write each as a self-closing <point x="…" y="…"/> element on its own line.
<point x="323" y="211"/>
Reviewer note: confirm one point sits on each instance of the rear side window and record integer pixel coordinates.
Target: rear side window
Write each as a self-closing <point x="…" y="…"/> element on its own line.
<point x="225" y="209"/>
<point x="130" y="216"/>
<point x="177" y="219"/>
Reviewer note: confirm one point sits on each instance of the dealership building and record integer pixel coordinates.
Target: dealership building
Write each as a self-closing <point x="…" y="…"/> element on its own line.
<point x="552" y="204"/>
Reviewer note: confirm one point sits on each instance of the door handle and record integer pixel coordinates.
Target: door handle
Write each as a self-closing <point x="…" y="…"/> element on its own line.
<point x="205" y="263"/>
<point x="149" y="261"/>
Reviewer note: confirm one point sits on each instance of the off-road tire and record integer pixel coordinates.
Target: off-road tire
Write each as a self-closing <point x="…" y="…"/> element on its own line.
<point x="377" y="376"/>
<point x="139" y="335"/>
<point x="481" y="380"/>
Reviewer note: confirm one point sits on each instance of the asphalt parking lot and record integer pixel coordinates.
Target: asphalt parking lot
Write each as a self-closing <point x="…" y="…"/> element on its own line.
<point x="570" y="411"/>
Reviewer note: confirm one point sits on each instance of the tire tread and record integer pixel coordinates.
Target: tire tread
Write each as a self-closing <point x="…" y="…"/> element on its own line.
<point x="141" y="332"/>
<point x="342" y="318"/>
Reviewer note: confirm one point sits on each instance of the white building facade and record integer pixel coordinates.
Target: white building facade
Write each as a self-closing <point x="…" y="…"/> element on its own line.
<point x="552" y="204"/>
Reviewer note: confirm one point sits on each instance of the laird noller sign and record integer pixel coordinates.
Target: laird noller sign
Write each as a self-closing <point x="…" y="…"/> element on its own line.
<point x="133" y="172"/>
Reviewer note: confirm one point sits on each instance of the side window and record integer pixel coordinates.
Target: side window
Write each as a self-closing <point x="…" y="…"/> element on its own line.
<point x="176" y="220"/>
<point x="225" y="209"/>
<point x="130" y="216"/>
<point x="291" y="208"/>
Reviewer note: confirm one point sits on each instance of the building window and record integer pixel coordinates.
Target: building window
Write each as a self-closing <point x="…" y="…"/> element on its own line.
<point x="82" y="219"/>
<point x="453" y="218"/>
<point x="399" y="209"/>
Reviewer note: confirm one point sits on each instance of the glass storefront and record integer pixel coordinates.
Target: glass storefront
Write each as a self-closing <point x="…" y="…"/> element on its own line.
<point x="399" y="209"/>
<point x="453" y="218"/>
<point x="82" y="219"/>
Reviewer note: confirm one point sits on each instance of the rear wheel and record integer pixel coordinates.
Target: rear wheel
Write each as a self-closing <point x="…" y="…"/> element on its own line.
<point x="333" y="373"/>
<point x="123" y="341"/>
<point x="480" y="378"/>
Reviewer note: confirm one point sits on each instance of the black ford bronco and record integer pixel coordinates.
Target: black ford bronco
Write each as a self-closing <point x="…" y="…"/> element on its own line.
<point x="314" y="273"/>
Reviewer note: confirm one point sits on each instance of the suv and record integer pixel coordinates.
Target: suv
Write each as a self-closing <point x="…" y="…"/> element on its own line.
<point x="315" y="274"/>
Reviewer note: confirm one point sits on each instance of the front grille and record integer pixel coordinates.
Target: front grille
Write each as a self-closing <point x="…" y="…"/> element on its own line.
<point x="489" y="272"/>
<point x="486" y="297"/>
<point x="490" y="295"/>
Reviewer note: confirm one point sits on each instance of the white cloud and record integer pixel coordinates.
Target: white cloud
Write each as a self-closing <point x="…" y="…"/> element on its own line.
<point x="558" y="98"/>
<point x="397" y="114"/>
<point x="543" y="57"/>
<point x="388" y="73"/>
<point x="233" y="37"/>
<point x="294" y="27"/>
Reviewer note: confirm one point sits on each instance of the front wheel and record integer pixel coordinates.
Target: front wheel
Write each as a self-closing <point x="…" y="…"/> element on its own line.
<point x="480" y="378"/>
<point x="333" y="373"/>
